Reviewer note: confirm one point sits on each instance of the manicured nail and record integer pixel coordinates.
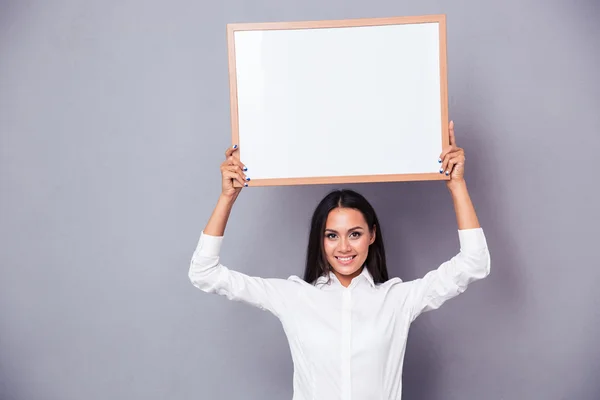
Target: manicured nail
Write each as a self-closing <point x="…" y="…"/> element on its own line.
<point x="235" y="146"/>
<point x="245" y="169"/>
<point x="447" y="173"/>
<point x="245" y="184"/>
<point x="441" y="171"/>
<point x="439" y="160"/>
<point x="247" y="178"/>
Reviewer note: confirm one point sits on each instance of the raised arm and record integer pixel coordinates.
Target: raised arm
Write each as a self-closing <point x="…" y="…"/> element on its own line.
<point x="453" y="164"/>
<point x="232" y="169"/>
<point x="206" y="271"/>
<point x="473" y="261"/>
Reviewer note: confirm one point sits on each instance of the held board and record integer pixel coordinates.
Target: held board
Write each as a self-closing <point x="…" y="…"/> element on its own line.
<point x="340" y="101"/>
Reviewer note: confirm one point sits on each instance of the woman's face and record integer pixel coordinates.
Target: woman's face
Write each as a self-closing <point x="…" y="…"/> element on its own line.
<point x="346" y="242"/>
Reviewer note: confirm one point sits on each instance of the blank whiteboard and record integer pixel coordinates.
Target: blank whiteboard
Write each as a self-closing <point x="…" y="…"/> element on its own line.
<point x="339" y="101"/>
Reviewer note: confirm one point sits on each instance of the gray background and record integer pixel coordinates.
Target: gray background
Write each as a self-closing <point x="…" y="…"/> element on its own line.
<point x="114" y="116"/>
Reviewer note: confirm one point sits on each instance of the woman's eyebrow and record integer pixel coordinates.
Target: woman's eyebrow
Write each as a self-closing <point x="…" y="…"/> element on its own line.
<point x="351" y="229"/>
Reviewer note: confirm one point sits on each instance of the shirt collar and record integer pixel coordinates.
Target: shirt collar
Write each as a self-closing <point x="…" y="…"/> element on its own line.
<point x="332" y="279"/>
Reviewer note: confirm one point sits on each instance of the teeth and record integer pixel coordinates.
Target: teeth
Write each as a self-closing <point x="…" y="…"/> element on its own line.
<point x="345" y="258"/>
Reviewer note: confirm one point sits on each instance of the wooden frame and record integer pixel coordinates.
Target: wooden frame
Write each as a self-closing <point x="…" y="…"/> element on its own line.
<point x="367" y="22"/>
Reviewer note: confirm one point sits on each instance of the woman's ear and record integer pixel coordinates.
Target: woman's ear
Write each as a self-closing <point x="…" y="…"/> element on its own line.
<point x="373" y="234"/>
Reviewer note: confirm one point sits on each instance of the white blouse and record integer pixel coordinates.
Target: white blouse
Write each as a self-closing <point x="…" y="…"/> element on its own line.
<point x="346" y="343"/>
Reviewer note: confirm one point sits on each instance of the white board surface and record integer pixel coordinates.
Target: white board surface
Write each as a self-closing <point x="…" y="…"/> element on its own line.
<point x="360" y="101"/>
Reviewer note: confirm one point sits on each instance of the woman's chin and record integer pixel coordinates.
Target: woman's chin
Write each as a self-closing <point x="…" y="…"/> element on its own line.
<point x="347" y="270"/>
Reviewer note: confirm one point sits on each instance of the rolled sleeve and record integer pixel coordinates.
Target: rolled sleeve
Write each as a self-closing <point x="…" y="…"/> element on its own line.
<point x="472" y="240"/>
<point x="209" y="246"/>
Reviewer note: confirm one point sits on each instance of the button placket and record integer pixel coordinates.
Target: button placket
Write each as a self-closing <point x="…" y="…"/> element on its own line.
<point x="346" y="367"/>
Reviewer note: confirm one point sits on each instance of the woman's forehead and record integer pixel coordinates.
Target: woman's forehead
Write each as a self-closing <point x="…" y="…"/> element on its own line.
<point x="345" y="218"/>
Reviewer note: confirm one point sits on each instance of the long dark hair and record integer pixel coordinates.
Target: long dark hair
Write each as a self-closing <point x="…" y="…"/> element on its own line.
<point x="316" y="261"/>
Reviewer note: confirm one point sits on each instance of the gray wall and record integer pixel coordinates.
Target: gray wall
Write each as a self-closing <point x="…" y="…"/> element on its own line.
<point x="114" y="117"/>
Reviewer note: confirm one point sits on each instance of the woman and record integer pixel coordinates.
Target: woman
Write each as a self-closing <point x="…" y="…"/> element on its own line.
<point x="346" y="322"/>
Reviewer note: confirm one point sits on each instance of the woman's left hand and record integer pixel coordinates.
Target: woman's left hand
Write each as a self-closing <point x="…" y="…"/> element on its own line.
<point x="452" y="159"/>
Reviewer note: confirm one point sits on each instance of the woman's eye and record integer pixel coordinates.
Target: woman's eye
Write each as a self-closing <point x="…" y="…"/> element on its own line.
<point x="331" y="236"/>
<point x="355" y="234"/>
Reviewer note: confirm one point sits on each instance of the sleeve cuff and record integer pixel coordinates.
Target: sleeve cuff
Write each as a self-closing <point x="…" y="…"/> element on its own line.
<point x="209" y="246"/>
<point x="472" y="239"/>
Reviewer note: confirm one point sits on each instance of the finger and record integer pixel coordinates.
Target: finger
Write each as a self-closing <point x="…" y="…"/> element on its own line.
<point x="231" y="150"/>
<point x="235" y="176"/>
<point x="445" y="162"/>
<point x="231" y="160"/>
<point x="451" y="164"/>
<point x="446" y="151"/>
<point x="451" y="132"/>
<point x="446" y="155"/>
<point x="458" y="152"/>
<point x="238" y="170"/>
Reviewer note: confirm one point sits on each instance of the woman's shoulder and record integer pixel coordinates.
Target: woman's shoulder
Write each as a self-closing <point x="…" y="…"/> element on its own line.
<point x="296" y="281"/>
<point x="290" y="283"/>
<point x="395" y="284"/>
<point x="392" y="282"/>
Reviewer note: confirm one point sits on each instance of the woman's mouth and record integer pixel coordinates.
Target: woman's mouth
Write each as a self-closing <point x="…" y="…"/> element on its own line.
<point x="345" y="260"/>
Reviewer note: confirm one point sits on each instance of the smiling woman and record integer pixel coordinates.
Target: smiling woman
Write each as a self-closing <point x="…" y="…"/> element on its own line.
<point x="345" y="238"/>
<point x="347" y="249"/>
<point x="346" y="321"/>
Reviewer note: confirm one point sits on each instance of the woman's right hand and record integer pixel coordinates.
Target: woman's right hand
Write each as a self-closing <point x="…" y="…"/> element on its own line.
<point x="232" y="170"/>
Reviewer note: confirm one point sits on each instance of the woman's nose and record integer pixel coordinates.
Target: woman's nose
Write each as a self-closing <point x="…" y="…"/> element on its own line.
<point x="345" y="245"/>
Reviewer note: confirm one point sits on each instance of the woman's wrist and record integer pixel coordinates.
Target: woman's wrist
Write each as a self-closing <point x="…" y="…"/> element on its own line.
<point x="456" y="185"/>
<point x="227" y="199"/>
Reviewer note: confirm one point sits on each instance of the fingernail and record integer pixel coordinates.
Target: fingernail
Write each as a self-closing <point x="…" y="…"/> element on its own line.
<point x="235" y="146"/>
<point x="245" y="184"/>
<point x="247" y="178"/>
<point x="447" y="173"/>
<point x="441" y="171"/>
<point x="439" y="160"/>
<point x="245" y="169"/>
